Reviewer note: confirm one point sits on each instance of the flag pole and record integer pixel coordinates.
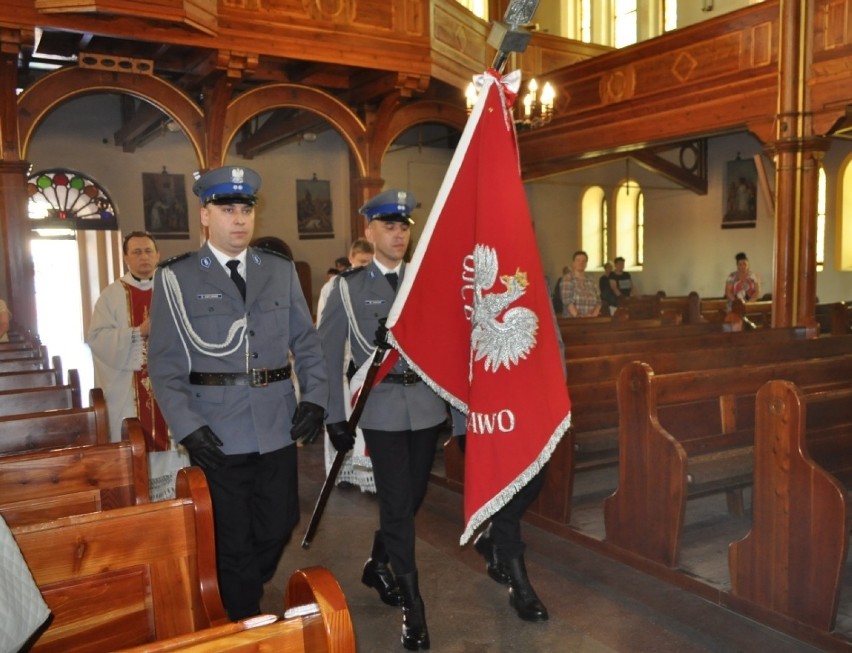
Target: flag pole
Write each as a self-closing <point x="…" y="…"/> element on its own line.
<point x="351" y="423"/>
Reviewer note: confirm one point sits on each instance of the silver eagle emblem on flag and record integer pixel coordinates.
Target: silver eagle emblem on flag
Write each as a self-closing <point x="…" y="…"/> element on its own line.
<point x="501" y="335"/>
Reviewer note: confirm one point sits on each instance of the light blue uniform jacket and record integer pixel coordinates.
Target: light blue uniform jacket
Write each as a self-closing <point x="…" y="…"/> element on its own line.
<point x="390" y="406"/>
<point x="246" y="419"/>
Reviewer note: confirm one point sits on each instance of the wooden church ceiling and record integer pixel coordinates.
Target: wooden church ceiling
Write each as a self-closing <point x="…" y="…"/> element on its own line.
<point x="196" y="69"/>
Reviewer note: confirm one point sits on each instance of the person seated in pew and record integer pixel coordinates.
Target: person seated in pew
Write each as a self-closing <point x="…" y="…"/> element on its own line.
<point x="742" y="283"/>
<point x="580" y="295"/>
<point x="5" y="319"/>
<point x="619" y="280"/>
<point x="609" y="300"/>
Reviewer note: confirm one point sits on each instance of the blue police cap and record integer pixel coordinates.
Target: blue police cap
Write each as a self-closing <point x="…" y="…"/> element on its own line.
<point x="390" y="206"/>
<point x="228" y="185"/>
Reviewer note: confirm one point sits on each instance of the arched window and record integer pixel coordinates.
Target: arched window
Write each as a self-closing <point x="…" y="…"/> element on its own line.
<point x="843" y="222"/>
<point x="669" y="15"/>
<point x="625" y="23"/>
<point x="63" y="201"/>
<point x="630" y="223"/>
<point x="593" y="235"/>
<point x="75" y="248"/>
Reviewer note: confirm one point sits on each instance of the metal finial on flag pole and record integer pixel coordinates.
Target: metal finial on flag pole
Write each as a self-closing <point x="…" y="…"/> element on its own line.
<point x="512" y="35"/>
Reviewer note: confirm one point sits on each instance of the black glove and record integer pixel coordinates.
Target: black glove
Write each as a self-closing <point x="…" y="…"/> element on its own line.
<point x="381" y="340"/>
<point x="204" y="448"/>
<point x="341" y="437"/>
<point x="307" y="422"/>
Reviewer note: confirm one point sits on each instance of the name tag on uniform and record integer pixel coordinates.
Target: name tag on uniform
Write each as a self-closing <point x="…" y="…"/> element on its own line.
<point x="370" y="302"/>
<point x="215" y="295"/>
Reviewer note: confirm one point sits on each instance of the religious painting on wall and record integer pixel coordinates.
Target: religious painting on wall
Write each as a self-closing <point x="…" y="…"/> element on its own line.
<point x="164" y="202"/>
<point x="313" y="208"/>
<point x="740" y="194"/>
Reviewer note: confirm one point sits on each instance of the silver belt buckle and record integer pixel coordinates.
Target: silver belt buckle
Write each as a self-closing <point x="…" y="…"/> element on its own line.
<point x="409" y="378"/>
<point x="260" y="378"/>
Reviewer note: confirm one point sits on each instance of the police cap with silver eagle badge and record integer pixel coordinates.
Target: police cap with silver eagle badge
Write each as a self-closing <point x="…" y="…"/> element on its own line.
<point x="228" y="185"/>
<point x="390" y="206"/>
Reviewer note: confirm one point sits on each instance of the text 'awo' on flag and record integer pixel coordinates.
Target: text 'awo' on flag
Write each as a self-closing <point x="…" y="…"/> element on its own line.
<point x="473" y="313"/>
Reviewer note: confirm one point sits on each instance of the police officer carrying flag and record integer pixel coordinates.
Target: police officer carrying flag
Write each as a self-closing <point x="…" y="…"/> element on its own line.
<point x="402" y="416"/>
<point x="224" y="321"/>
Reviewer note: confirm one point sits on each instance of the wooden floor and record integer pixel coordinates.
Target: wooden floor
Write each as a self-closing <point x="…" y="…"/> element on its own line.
<point x="596" y="604"/>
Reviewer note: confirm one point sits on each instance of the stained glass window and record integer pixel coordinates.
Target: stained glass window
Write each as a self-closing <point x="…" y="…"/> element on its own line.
<point x="63" y="201"/>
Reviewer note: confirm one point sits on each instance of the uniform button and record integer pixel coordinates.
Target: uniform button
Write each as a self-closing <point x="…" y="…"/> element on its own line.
<point x="198" y="395"/>
<point x="251" y="333"/>
<point x="210" y="309"/>
<point x="254" y="355"/>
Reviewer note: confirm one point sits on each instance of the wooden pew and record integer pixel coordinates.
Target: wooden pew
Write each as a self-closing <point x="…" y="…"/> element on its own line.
<point x="686" y="434"/>
<point x="316" y="620"/>
<point x="757" y="314"/>
<point x="593" y="440"/>
<point x="32" y="400"/>
<point x="834" y="318"/>
<point x="755" y="350"/>
<point x="793" y="558"/>
<point x="685" y="309"/>
<point x="27" y="359"/>
<point x="30" y="379"/>
<point x="128" y="576"/>
<point x="718" y="338"/>
<point x="46" y="485"/>
<point x="586" y="331"/>
<point x="592" y="382"/>
<point x="56" y="428"/>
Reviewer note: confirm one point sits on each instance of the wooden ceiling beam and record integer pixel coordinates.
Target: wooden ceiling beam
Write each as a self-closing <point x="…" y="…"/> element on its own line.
<point x="280" y="128"/>
<point x="135" y="130"/>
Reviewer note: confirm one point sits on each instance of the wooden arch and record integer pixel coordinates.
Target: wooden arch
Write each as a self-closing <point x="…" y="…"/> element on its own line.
<point x="394" y="118"/>
<point x="57" y="87"/>
<point x="265" y="98"/>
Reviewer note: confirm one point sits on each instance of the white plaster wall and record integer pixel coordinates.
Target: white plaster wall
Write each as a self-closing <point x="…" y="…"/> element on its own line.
<point x="685" y="247"/>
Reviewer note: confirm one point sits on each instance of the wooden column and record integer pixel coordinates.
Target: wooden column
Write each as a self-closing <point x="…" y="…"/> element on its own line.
<point x="360" y="190"/>
<point x="14" y="229"/>
<point x="797" y="154"/>
<point x="19" y="278"/>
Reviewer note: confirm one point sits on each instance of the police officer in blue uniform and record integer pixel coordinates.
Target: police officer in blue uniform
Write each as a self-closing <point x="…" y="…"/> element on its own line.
<point x="402" y="417"/>
<point x="224" y="321"/>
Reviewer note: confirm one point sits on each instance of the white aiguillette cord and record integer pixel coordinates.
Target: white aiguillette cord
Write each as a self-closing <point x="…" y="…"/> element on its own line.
<point x="174" y="299"/>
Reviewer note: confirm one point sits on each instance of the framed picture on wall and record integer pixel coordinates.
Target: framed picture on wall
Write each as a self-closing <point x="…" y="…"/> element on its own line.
<point x="164" y="205"/>
<point x="740" y="194"/>
<point x="313" y="208"/>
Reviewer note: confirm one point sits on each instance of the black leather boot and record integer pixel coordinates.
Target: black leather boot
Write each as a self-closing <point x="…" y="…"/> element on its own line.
<point x="378" y="575"/>
<point x="415" y="635"/>
<point x="522" y="596"/>
<point x="485" y="546"/>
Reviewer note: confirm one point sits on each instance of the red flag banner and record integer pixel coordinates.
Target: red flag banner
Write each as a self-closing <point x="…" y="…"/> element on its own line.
<point x="473" y="314"/>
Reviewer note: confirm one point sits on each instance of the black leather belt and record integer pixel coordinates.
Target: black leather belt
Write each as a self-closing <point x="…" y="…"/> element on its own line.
<point x="406" y="378"/>
<point x="255" y="378"/>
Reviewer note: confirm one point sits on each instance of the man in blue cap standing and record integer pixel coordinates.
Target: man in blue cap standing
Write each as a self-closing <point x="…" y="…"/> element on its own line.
<point x="226" y="319"/>
<point x="402" y="417"/>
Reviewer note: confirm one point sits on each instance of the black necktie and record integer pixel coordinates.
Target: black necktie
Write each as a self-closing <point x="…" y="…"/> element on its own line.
<point x="236" y="277"/>
<point x="392" y="278"/>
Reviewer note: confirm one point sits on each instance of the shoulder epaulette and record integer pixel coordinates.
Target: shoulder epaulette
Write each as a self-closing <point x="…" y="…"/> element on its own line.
<point x="174" y="259"/>
<point x="266" y="250"/>
<point x="348" y="272"/>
